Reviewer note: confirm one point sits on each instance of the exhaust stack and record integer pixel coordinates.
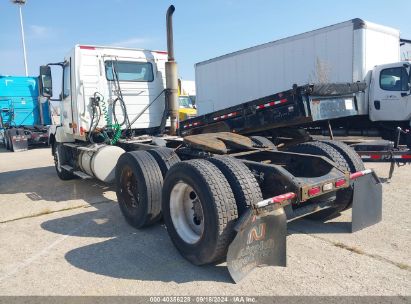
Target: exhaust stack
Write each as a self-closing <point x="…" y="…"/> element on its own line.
<point x="171" y="75"/>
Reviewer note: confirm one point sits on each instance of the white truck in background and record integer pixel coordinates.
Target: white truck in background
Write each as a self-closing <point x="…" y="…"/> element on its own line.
<point x="347" y="52"/>
<point x="188" y="87"/>
<point x="405" y="49"/>
<point x="186" y="99"/>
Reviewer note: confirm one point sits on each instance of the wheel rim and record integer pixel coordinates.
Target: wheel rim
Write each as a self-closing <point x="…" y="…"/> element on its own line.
<point x="129" y="190"/>
<point x="57" y="160"/>
<point x="186" y="212"/>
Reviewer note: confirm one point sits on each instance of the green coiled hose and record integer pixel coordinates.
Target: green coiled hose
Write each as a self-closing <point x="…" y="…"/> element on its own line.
<point x="115" y="127"/>
<point x="117" y="134"/>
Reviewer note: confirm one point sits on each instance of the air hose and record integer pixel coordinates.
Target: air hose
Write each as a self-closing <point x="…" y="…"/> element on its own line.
<point x="117" y="134"/>
<point x="114" y="127"/>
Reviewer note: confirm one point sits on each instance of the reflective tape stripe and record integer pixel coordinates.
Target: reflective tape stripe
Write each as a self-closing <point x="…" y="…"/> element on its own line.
<point x="225" y="116"/>
<point x="371" y="156"/>
<point x="360" y="173"/>
<point x="380" y="156"/>
<point x="276" y="199"/>
<point x="194" y="124"/>
<point x="271" y="103"/>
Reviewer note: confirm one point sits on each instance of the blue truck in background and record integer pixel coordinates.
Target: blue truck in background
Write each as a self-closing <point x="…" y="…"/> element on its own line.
<point x="24" y="114"/>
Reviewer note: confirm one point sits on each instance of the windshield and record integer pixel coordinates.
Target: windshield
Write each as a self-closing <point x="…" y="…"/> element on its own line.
<point x="185" y="102"/>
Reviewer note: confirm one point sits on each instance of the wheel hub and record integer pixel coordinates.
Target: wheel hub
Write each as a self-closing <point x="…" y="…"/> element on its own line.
<point x="186" y="212"/>
<point x="197" y="209"/>
<point x="129" y="186"/>
<point x="57" y="160"/>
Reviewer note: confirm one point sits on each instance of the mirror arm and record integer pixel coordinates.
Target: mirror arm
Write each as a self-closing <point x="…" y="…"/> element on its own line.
<point x="57" y="63"/>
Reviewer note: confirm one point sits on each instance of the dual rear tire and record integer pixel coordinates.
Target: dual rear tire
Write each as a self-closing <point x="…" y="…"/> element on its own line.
<point x="200" y="199"/>
<point x="263" y="142"/>
<point x="346" y="159"/>
<point x="138" y="188"/>
<point x="139" y="180"/>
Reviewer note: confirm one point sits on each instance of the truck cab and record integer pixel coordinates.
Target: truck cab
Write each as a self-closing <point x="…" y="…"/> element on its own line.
<point x="187" y="109"/>
<point x="24" y="115"/>
<point x="110" y="86"/>
<point x="389" y="92"/>
<point x="186" y="99"/>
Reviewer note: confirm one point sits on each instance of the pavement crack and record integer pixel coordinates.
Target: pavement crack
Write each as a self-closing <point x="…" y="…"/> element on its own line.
<point x="359" y="251"/>
<point x="45" y="212"/>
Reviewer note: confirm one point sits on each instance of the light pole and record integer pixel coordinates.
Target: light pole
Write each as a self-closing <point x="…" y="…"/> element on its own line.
<point x="20" y="3"/>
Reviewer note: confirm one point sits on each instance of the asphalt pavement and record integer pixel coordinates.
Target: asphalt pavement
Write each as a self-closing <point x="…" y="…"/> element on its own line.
<point x="69" y="238"/>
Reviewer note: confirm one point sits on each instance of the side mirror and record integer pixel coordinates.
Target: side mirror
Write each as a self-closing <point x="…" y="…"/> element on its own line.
<point x="408" y="91"/>
<point x="45" y="80"/>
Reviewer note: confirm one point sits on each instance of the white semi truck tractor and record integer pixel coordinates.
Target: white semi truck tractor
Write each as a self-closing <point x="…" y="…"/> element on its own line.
<point x="221" y="195"/>
<point x="347" y="52"/>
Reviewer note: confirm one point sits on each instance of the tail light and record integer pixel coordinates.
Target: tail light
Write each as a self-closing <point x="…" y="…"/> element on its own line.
<point x="314" y="191"/>
<point x="340" y="183"/>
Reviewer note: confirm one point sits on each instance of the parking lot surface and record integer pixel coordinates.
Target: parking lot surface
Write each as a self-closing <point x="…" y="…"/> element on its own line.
<point x="69" y="238"/>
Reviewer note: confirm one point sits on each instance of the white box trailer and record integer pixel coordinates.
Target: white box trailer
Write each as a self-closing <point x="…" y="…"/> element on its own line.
<point x="343" y="52"/>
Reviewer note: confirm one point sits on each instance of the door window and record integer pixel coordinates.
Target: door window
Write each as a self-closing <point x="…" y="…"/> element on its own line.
<point x="66" y="81"/>
<point x="129" y="71"/>
<point x="394" y="79"/>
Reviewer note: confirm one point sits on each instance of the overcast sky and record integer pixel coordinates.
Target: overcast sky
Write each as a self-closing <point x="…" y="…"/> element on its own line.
<point x="203" y="29"/>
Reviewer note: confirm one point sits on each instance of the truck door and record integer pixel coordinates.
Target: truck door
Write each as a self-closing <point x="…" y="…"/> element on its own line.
<point x="389" y="93"/>
<point x="66" y="103"/>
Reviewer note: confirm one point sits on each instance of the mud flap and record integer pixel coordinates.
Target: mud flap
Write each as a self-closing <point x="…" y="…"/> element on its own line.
<point x="18" y="140"/>
<point x="20" y="144"/>
<point x="367" y="202"/>
<point x="260" y="240"/>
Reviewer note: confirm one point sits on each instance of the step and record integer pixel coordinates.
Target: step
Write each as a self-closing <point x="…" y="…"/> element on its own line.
<point x="87" y="149"/>
<point x="70" y="145"/>
<point x="67" y="168"/>
<point x="82" y="175"/>
<point x="81" y="147"/>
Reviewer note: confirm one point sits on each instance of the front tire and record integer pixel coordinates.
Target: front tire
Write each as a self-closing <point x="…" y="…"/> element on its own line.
<point x="60" y="158"/>
<point x="199" y="211"/>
